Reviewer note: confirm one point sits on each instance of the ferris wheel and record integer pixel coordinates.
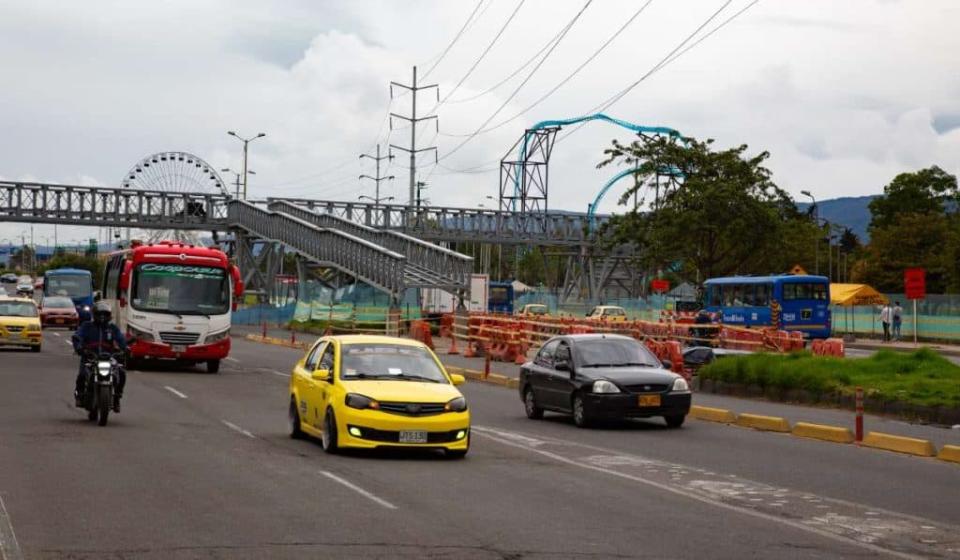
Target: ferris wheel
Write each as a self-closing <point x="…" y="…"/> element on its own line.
<point x="178" y="172"/>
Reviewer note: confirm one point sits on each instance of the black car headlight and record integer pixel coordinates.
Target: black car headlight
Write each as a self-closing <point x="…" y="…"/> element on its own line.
<point x="602" y="386"/>
<point x="458" y="404"/>
<point x="680" y="385"/>
<point x="361" y="402"/>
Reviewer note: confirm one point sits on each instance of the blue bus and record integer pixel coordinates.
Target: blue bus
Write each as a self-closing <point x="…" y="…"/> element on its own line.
<point x="75" y="283"/>
<point x="804" y="302"/>
<point x="500" y="297"/>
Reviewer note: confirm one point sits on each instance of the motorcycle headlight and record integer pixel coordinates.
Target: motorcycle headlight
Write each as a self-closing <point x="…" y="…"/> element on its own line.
<point x="361" y="402"/>
<point x="103" y="368"/>
<point x="458" y="404"/>
<point x="680" y="385"/>
<point x="134" y="333"/>
<point x="217" y="336"/>
<point x="86" y="308"/>
<point x="605" y="387"/>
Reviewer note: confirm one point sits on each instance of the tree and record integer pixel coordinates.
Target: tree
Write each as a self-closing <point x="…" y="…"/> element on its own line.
<point x="928" y="191"/>
<point x="849" y="241"/>
<point x="727" y="217"/>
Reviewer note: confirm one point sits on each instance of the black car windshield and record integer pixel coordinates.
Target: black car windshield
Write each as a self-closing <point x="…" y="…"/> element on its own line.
<point x="181" y="289"/>
<point x="614" y="352"/>
<point x="69" y="285"/>
<point x="17" y="309"/>
<point x="389" y="361"/>
<point x="57" y="303"/>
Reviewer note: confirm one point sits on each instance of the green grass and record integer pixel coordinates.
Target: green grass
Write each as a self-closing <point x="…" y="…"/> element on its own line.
<point x="922" y="377"/>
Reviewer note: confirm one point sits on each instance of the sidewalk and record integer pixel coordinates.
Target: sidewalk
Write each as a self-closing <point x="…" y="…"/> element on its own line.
<point x="903" y="346"/>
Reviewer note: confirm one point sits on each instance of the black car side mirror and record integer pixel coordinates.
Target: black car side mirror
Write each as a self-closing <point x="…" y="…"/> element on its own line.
<point x="667" y="364"/>
<point x="561" y="365"/>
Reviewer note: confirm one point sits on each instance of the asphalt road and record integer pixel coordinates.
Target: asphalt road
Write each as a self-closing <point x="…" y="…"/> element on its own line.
<point x="200" y="466"/>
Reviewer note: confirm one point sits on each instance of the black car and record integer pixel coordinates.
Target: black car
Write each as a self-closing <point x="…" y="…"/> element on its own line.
<point x="602" y="377"/>
<point x="696" y="357"/>
<point x="9" y="278"/>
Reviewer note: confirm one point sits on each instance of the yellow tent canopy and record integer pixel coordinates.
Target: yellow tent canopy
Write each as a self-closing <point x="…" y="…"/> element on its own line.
<point x="855" y="294"/>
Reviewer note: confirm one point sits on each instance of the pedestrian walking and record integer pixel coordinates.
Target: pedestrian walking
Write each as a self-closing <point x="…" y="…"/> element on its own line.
<point x="897" y="320"/>
<point x="886" y="314"/>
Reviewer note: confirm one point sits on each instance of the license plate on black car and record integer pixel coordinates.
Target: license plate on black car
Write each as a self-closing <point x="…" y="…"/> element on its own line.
<point x="413" y="436"/>
<point x="649" y="400"/>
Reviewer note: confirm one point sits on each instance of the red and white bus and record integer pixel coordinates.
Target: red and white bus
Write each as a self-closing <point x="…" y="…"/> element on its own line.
<point x="173" y="301"/>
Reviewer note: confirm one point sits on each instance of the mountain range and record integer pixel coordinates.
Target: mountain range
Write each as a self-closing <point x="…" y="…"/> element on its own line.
<point x="851" y="211"/>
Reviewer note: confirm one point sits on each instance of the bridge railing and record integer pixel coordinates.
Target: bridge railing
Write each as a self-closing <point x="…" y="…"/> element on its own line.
<point x="375" y="265"/>
<point x="460" y="224"/>
<point x="454" y="267"/>
<point x="103" y="206"/>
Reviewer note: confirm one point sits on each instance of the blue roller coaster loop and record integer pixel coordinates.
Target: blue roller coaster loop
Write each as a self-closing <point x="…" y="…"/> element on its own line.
<point x="591" y="209"/>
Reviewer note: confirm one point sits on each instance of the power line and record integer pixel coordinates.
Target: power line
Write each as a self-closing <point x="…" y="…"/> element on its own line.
<point x="455" y="39"/>
<point x="523" y="83"/>
<point x="481" y="57"/>
<point x="570" y="76"/>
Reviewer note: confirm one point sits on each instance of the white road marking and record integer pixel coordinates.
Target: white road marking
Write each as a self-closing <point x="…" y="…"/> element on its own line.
<point x="56" y="334"/>
<point x="9" y="547"/>
<point x="174" y="391"/>
<point x="495" y="435"/>
<point x="232" y="359"/>
<point x="238" y="429"/>
<point x="358" y="490"/>
<point x="280" y="373"/>
<point x="68" y="343"/>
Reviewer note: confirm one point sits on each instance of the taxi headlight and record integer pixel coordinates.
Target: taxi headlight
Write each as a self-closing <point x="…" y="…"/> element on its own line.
<point x="680" y="385"/>
<point x="33" y="328"/>
<point x="458" y="404"/>
<point x="217" y="336"/>
<point x="603" y="386"/>
<point x="361" y="402"/>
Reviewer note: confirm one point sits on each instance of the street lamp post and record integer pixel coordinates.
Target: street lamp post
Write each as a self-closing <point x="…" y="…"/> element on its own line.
<point x="816" y="240"/>
<point x="236" y="176"/>
<point x="830" y="239"/>
<point x="246" y="144"/>
<point x="376" y="200"/>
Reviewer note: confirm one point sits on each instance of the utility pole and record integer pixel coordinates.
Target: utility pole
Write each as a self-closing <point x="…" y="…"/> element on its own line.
<point x="237" y="175"/>
<point x="378" y="177"/>
<point x="413" y="120"/>
<point x="246" y="143"/>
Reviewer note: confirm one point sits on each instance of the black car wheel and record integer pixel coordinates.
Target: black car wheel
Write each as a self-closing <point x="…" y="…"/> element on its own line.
<point x="328" y="439"/>
<point x="675" y="421"/>
<point x="533" y="411"/>
<point x="580" y="417"/>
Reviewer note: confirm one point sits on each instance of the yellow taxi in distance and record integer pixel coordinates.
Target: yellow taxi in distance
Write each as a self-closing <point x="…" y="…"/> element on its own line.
<point x="363" y="391"/>
<point x="611" y="313"/>
<point x="20" y="323"/>
<point x="534" y="310"/>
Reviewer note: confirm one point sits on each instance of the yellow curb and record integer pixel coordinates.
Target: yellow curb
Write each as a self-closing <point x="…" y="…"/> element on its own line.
<point x="950" y="453"/>
<point x="823" y="432"/>
<point x="513" y="383"/>
<point x="721" y="415"/>
<point x="900" y="444"/>
<point x="766" y="423"/>
<point x="497" y="379"/>
<point x="276" y="341"/>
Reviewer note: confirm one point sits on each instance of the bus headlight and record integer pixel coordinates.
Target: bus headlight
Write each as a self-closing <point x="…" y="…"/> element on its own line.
<point x="217" y="336"/>
<point x="133" y="333"/>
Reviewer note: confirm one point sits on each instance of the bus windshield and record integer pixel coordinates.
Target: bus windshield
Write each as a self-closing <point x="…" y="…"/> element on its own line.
<point x="69" y="285"/>
<point x="180" y="289"/>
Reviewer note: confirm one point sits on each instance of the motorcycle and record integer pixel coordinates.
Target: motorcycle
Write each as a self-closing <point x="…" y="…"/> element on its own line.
<point x="103" y="372"/>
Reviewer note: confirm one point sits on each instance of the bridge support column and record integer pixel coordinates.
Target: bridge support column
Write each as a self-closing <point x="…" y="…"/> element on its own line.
<point x="393" y="320"/>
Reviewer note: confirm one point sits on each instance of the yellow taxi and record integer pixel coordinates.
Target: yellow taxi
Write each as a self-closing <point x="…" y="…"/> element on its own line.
<point x="20" y="323"/>
<point x="362" y="391"/>
<point x="610" y="313"/>
<point x="534" y="311"/>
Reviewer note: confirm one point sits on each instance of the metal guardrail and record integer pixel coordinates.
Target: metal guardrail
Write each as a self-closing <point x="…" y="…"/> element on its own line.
<point x="101" y="206"/>
<point x="441" y="267"/>
<point x="437" y="223"/>
<point x="375" y="265"/>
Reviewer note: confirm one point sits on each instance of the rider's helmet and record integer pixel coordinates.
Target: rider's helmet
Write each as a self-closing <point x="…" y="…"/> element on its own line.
<point x="102" y="314"/>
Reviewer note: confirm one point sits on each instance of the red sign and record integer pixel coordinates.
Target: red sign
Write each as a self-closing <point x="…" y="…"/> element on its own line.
<point x="915" y="283"/>
<point x="660" y="285"/>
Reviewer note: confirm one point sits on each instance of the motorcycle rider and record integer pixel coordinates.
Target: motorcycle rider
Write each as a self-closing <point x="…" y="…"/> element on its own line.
<point x="99" y="336"/>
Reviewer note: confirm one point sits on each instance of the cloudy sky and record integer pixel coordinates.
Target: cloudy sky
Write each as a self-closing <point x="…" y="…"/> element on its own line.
<point x="844" y="95"/>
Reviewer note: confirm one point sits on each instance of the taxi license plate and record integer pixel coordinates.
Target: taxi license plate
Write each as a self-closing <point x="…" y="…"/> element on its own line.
<point x="649" y="400"/>
<point x="413" y="436"/>
<point x="59" y="321"/>
<point x="178" y="348"/>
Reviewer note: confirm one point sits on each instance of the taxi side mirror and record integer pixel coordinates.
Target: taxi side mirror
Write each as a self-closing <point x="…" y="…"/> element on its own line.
<point x="457" y="379"/>
<point x="321" y="375"/>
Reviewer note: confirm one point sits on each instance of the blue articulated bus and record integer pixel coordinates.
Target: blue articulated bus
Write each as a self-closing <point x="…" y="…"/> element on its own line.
<point x="75" y="283"/>
<point x="801" y="301"/>
<point x="500" y="297"/>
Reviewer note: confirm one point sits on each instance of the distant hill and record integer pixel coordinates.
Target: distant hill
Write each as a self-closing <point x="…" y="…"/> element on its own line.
<point x="852" y="212"/>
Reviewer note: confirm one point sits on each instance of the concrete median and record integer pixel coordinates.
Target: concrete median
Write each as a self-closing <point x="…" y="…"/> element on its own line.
<point x="823" y="432"/>
<point x="764" y="423"/>
<point x="899" y="444"/>
<point x="720" y="415"/>
<point x="950" y="453"/>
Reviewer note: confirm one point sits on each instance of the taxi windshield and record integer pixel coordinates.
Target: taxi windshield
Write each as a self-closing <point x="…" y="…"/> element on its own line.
<point x="17" y="309"/>
<point x="389" y="361"/>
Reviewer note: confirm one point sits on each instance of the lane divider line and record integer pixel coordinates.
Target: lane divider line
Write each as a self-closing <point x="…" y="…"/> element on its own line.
<point x="280" y="373"/>
<point x="369" y="495"/>
<point x="9" y="547"/>
<point x="174" y="391"/>
<point x="238" y="429"/>
<point x="56" y="334"/>
<point x="232" y="359"/>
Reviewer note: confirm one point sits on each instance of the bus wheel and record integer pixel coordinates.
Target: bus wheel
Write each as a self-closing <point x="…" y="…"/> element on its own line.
<point x="213" y="366"/>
